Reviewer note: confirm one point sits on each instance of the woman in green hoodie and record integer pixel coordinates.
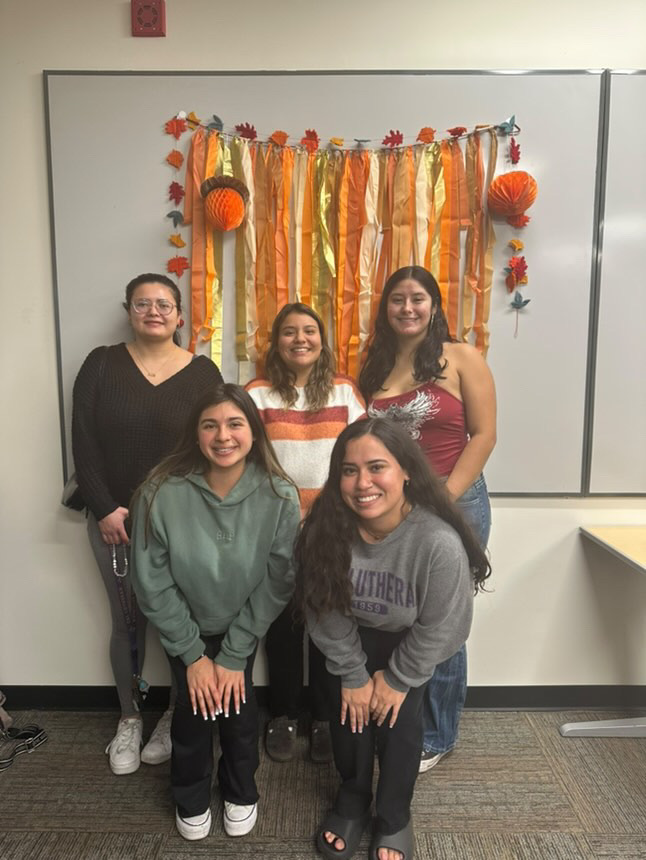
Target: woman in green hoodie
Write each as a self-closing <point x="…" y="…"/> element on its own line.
<point x="213" y="531"/>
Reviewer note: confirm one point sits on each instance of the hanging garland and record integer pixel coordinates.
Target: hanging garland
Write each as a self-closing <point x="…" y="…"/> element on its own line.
<point x="326" y="224"/>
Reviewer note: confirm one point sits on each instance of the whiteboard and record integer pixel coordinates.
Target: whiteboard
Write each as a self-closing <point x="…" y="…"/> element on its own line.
<point x="619" y="434"/>
<point x="109" y="186"/>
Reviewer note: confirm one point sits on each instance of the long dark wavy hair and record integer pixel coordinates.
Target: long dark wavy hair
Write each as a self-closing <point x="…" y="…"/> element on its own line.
<point x="154" y="278"/>
<point x="324" y="547"/>
<point x="187" y="458"/>
<point x="321" y="379"/>
<point x="383" y="346"/>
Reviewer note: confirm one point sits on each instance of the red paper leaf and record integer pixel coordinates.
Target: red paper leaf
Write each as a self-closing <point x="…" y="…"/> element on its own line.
<point x="175" y="158"/>
<point x="178" y="265"/>
<point x="426" y="135"/>
<point x="175" y="193"/>
<point x="457" y="130"/>
<point x="279" y="138"/>
<point x="393" y="138"/>
<point x="518" y="266"/>
<point x="514" y="151"/>
<point x="176" y="127"/>
<point x="247" y="131"/>
<point x="311" y="140"/>
<point x="518" y="220"/>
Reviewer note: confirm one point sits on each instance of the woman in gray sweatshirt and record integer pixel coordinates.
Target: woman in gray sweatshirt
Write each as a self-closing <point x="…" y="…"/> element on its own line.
<point x="386" y="573"/>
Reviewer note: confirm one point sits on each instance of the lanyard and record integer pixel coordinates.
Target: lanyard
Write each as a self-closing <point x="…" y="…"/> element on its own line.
<point x="129" y="608"/>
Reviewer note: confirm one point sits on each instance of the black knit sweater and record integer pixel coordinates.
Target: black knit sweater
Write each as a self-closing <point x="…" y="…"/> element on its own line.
<point x="122" y="425"/>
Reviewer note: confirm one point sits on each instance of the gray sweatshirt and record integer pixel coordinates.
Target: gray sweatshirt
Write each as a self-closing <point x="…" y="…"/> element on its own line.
<point x="416" y="579"/>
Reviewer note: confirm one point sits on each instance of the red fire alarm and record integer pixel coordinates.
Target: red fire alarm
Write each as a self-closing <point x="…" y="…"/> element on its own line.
<point x="148" y="17"/>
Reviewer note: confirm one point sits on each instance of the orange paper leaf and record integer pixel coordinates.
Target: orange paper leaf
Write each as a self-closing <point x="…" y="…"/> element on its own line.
<point x="426" y="135"/>
<point x="176" y="239"/>
<point x="279" y="138"/>
<point x="511" y="282"/>
<point x="457" y="130"/>
<point x="176" y="127"/>
<point x="175" y="158"/>
<point x="177" y="265"/>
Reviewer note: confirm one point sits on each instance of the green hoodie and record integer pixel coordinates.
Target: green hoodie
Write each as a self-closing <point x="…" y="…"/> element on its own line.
<point x="210" y="565"/>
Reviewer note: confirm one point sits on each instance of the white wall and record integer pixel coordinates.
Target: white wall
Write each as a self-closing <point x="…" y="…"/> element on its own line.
<point x="558" y="614"/>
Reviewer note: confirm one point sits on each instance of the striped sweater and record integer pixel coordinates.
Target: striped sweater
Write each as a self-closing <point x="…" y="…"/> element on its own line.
<point x="303" y="440"/>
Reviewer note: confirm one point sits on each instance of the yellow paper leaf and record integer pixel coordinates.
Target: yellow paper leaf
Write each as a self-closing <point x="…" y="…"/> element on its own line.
<point x="177" y="240"/>
<point x="516" y="244"/>
<point x="193" y="120"/>
<point x="337" y="141"/>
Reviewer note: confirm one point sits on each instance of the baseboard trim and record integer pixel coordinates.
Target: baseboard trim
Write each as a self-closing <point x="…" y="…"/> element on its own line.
<point x="559" y="697"/>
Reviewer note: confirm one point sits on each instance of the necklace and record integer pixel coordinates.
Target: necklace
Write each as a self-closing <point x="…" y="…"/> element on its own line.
<point x="151" y="373"/>
<point x="379" y="536"/>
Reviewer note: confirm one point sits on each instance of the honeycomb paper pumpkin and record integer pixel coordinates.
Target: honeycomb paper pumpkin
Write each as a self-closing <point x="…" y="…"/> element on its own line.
<point x="225" y="200"/>
<point x="510" y="195"/>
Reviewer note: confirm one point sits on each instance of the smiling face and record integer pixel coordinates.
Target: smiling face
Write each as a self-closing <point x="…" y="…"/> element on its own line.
<point x="299" y="344"/>
<point x="152" y="324"/>
<point x="372" y="484"/>
<point x="409" y="310"/>
<point x="225" y="438"/>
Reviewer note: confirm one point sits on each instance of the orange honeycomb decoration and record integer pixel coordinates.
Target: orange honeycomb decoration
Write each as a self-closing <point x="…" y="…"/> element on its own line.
<point x="510" y="195"/>
<point x="225" y="201"/>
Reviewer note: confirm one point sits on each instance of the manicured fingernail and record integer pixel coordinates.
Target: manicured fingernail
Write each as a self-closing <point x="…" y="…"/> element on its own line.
<point x="212" y="716"/>
<point x="205" y="717"/>
<point x="226" y="713"/>
<point x="244" y="701"/>
<point x="238" y="711"/>
<point x="194" y="712"/>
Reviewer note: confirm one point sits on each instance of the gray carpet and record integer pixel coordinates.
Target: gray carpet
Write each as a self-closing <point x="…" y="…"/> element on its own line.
<point x="514" y="789"/>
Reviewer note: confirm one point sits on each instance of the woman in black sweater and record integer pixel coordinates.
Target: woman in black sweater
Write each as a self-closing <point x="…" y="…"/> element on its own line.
<point x="130" y="403"/>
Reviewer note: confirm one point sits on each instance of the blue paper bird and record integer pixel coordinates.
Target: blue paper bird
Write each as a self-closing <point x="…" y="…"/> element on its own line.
<point x="216" y="124"/>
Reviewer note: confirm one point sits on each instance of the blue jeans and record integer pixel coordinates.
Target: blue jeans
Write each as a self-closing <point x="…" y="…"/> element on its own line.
<point x="447" y="689"/>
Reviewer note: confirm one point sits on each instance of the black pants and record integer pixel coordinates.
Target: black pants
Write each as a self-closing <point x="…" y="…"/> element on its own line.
<point x="284" y="647"/>
<point x="399" y="749"/>
<point x="192" y="737"/>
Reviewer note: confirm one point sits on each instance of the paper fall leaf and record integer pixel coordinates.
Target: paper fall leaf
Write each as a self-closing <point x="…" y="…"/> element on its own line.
<point x="279" y="138"/>
<point x="519" y="220"/>
<point x="176" y="239"/>
<point x="247" y="131"/>
<point x="216" y="123"/>
<point x="516" y="244"/>
<point x="518" y="302"/>
<point x="393" y="138"/>
<point x="175" y="158"/>
<point x="310" y="140"/>
<point x="175" y="193"/>
<point x="336" y="141"/>
<point x="176" y="127"/>
<point x="457" y="130"/>
<point x="514" y="151"/>
<point x="426" y="135"/>
<point x="176" y="216"/>
<point x="508" y="126"/>
<point x="177" y="265"/>
<point x="518" y="267"/>
<point x="510" y="281"/>
<point x="193" y="120"/>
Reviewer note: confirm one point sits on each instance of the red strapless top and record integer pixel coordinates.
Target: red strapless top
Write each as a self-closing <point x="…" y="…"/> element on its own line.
<point x="433" y="417"/>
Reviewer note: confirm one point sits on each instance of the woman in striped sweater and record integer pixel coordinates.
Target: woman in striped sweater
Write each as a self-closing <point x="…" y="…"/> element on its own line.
<point x="304" y="406"/>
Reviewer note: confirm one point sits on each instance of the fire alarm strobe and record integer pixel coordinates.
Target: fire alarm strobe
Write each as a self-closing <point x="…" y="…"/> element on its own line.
<point x="148" y="17"/>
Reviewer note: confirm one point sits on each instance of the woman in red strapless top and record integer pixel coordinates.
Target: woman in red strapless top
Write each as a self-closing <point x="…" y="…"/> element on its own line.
<point x="443" y="393"/>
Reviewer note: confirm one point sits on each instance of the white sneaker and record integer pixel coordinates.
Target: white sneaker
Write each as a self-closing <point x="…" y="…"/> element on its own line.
<point x="239" y="820"/>
<point x="159" y="747"/>
<point x="124" y="747"/>
<point x="195" y="827"/>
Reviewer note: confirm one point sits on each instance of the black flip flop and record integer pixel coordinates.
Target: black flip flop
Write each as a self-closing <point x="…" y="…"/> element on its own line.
<point x="348" y="829"/>
<point x="402" y="841"/>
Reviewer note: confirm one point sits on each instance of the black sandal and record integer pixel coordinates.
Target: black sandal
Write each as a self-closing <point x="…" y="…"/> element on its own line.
<point x="348" y="829"/>
<point x="402" y="841"/>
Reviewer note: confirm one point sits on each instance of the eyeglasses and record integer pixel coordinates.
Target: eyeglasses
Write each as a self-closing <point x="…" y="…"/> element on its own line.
<point x="142" y="306"/>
